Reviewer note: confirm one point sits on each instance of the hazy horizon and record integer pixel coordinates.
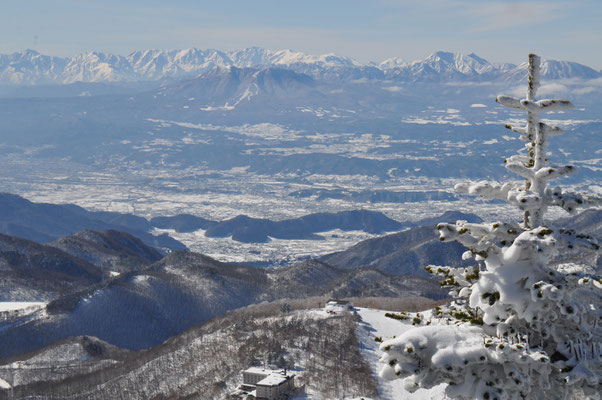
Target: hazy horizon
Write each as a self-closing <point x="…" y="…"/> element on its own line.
<point x="499" y="31"/>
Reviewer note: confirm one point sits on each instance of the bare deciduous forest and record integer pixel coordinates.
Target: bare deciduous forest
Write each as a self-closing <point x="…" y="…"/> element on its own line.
<point x="206" y="361"/>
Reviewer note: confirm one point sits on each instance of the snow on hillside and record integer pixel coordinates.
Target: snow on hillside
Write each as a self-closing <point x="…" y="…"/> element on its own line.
<point x="393" y="62"/>
<point x="206" y="361"/>
<point x="443" y="61"/>
<point x="375" y="324"/>
<point x="19" y="305"/>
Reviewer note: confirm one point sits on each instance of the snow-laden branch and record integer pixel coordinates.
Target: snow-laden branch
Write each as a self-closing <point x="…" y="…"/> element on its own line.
<point x="482" y="239"/>
<point x="510" y="102"/>
<point x="486" y="190"/>
<point x="534" y="106"/>
<point x="552" y="172"/>
<point x="550" y="130"/>
<point x="570" y="202"/>
<point x="521" y="333"/>
<point x="520" y="169"/>
<point x="552" y="105"/>
<point x="427" y="356"/>
<point x="577" y="242"/>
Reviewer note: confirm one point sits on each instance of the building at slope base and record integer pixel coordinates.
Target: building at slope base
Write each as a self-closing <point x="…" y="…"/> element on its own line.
<point x="265" y="384"/>
<point x="335" y="306"/>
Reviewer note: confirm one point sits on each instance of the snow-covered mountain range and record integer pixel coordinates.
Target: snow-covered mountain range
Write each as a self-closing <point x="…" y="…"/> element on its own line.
<point x="31" y="68"/>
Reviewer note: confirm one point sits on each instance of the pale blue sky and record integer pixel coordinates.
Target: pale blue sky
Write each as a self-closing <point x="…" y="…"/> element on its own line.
<point x="498" y="30"/>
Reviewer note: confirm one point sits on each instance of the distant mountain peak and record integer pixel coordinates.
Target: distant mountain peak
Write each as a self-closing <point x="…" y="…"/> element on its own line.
<point x="29" y="53"/>
<point x="393" y="62"/>
<point x="29" y="67"/>
<point x="442" y="55"/>
<point x="479" y="59"/>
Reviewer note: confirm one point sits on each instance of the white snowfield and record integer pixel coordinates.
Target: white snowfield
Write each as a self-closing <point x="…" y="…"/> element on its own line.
<point x="19" y="305"/>
<point x="375" y="324"/>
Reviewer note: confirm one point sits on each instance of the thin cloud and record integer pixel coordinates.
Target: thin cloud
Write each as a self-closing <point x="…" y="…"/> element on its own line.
<point x="585" y="90"/>
<point x="506" y="15"/>
<point x="552" y="88"/>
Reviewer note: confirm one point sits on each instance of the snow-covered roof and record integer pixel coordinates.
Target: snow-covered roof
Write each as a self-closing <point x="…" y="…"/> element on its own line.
<point x="259" y="370"/>
<point x="273" y="380"/>
<point x="339" y="302"/>
<point x="272" y="377"/>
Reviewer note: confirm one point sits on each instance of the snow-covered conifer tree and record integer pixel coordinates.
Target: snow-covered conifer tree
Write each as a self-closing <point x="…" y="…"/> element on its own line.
<point x="525" y="322"/>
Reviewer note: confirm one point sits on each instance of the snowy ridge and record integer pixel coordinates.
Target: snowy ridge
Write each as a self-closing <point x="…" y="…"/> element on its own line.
<point x="393" y="62"/>
<point x="255" y="56"/>
<point x="552" y="69"/>
<point x="446" y="65"/>
<point x="30" y="67"/>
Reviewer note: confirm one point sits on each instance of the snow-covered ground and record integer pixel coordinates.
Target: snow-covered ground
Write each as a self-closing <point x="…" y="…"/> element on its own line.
<point x="276" y="251"/>
<point x="375" y="324"/>
<point x="278" y="205"/>
<point x="19" y="305"/>
<point x="147" y="176"/>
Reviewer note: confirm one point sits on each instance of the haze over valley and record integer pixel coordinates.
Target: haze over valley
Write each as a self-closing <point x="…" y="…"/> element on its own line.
<point x="273" y="135"/>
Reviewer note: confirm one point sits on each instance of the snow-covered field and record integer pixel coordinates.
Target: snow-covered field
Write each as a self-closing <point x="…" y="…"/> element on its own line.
<point x="255" y="196"/>
<point x="375" y="324"/>
<point x="259" y="197"/>
<point x="276" y="251"/>
<point x="277" y="170"/>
